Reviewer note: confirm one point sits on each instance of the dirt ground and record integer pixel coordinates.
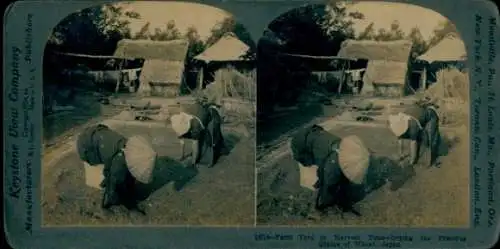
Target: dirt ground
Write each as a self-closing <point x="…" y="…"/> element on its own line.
<point x="420" y="197"/>
<point x="222" y="195"/>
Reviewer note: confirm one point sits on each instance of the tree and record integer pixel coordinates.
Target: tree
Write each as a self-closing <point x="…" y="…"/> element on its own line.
<point x="442" y="30"/>
<point x="393" y="34"/>
<point x="339" y="19"/>
<point x="419" y="43"/>
<point x="143" y="33"/>
<point x="382" y="35"/>
<point x="169" y="33"/>
<point x="396" y="32"/>
<point x="196" y="45"/>
<point x="368" y="33"/>
<point x="230" y="25"/>
<point x="314" y="29"/>
<point x="94" y="30"/>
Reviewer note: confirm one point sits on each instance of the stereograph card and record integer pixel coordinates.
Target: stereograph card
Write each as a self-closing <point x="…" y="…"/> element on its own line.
<point x="251" y="124"/>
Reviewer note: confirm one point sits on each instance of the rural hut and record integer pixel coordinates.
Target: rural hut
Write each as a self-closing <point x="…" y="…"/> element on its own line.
<point x="388" y="67"/>
<point x="229" y="53"/>
<point x="449" y="52"/>
<point x="162" y="73"/>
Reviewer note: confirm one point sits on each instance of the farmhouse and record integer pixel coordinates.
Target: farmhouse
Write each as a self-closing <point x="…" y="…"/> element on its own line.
<point x="164" y="61"/>
<point x="387" y="71"/>
<point x="449" y="52"/>
<point x="229" y="52"/>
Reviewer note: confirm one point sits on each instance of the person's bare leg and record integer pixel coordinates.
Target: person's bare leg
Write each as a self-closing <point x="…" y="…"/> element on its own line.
<point x="413" y="152"/>
<point x="196" y="152"/>
<point x="183" y="151"/>
<point x="313" y="213"/>
<point x="401" y="150"/>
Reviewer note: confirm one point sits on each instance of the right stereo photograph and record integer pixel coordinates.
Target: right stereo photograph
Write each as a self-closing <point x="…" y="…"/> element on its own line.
<point x="363" y="118"/>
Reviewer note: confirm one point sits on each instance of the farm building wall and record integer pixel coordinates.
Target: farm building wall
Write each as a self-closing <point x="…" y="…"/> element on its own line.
<point x="388" y="90"/>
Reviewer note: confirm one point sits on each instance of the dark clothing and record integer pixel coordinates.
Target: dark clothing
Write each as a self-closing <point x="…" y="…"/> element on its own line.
<point x="207" y="130"/>
<point x="434" y="138"/>
<point x="424" y="116"/>
<point x="100" y="145"/>
<point x="315" y="146"/>
<point x="427" y="133"/>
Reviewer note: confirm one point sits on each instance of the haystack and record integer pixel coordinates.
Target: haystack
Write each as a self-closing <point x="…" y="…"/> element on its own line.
<point x="452" y="94"/>
<point x="163" y="69"/>
<point x="235" y="91"/>
<point x="388" y="64"/>
<point x="175" y="50"/>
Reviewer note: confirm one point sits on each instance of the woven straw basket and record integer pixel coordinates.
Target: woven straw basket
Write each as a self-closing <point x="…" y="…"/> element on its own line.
<point x="398" y="124"/>
<point x="141" y="158"/>
<point x="354" y="159"/>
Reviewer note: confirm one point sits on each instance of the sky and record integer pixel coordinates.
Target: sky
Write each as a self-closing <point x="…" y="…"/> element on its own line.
<point x="204" y="17"/>
<point x="383" y="14"/>
<point x="185" y="15"/>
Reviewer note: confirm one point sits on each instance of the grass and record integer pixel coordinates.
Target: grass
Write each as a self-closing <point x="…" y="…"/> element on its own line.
<point x="425" y="197"/>
<point x="219" y="196"/>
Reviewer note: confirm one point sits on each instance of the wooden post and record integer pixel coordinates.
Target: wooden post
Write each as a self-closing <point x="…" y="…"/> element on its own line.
<point x="200" y="79"/>
<point x="118" y="81"/>
<point x="342" y="76"/>
<point x="424" y="79"/>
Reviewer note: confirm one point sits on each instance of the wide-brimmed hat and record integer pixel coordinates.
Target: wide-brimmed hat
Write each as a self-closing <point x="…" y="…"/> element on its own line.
<point x="354" y="158"/>
<point x="398" y="123"/>
<point x="140" y="157"/>
<point x="181" y="123"/>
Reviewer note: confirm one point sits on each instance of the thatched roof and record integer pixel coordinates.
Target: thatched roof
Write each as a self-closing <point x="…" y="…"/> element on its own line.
<point x="385" y="72"/>
<point x="375" y="50"/>
<point x="161" y="71"/>
<point x="175" y="50"/>
<point x="451" y="48"/>
<point x="228" y="48"/>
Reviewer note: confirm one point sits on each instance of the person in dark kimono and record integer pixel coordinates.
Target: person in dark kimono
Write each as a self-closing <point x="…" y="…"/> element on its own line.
<point x="99" y="144"/>
<point x="419" y="124"/>
<point x="315" y="146"/>
<point x="202" y="125"/>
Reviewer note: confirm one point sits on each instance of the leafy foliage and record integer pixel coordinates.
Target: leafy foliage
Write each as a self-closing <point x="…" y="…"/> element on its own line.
<point x="444" y="29"/>
<point x="94" y="30"/>
<point x="315" y="29"/>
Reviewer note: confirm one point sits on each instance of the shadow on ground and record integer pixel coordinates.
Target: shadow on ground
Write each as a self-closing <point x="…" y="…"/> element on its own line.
<point x="176" y="196"/>
<point x="391" y="195"/>
<point x="166" y="170"/>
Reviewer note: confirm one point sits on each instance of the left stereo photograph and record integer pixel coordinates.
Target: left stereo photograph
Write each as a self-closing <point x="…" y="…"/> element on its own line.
<point x="149" y="118"/>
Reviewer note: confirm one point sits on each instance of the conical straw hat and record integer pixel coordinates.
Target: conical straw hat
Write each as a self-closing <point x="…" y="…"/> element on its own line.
<point x="398" y="124"/>
<point x="181" y="123"/>
<point x="354" y="159"/>
<point x="140" y="158"/>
